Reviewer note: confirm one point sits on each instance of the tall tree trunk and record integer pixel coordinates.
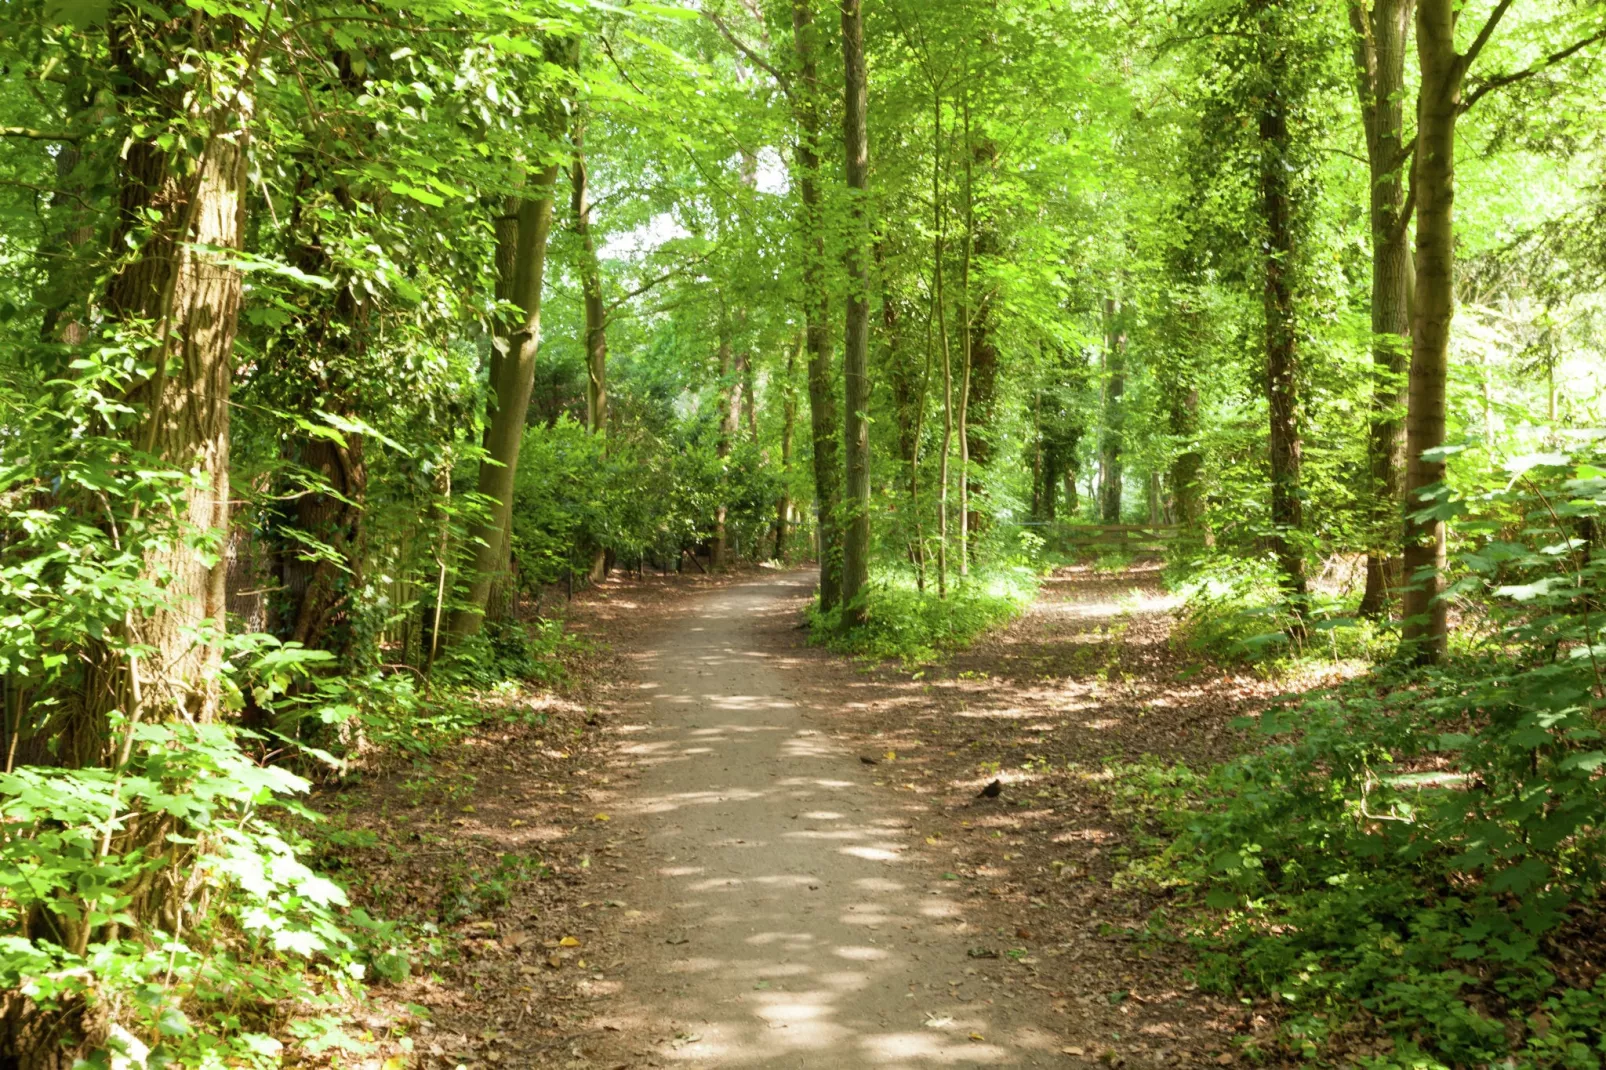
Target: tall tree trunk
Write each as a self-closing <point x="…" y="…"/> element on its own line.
<point x="1282" y="345"/>
<point x="596" y="315"/>
<point x="1381" y="36"/>
<point x="1438" y="105"/>
<point x="783" y="504"/>
<point x="194" y="299"/>
<point x="513" y="380"/>
<point x="313" y="604"/>
<point x="856" y="332"/>
<point x="978" y="375"/>
<point x="823" y="418"/>
<point x="1111" y="440"/>
<point x="729" y="415"/>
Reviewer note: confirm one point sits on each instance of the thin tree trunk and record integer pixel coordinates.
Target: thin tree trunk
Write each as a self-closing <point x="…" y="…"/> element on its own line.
<point x="978" y="375"/>
<point x="729" y="407"/>
<point x="856" y="331"/>
<point x="596" y="316"/>
<point x="939" y="317"/>
<point x="513" y="383"/>
<point x="973" y="333"/>
<point x="816" y="309"/>
<point x="783" y="504"/>
<point x="1381" y="36"/>
<point x="1113" y="429"/>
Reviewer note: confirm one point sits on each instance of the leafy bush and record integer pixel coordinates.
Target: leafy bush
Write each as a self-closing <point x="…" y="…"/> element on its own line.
<point x="1232" y="610"/>
<point x="1425" y="848"/>
<point x="914" y="626"/>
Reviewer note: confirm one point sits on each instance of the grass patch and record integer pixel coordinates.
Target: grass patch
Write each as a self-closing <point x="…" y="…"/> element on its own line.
<point x="915" y="627"/>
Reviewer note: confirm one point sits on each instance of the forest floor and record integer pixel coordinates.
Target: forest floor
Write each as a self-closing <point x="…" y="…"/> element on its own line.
<point x="692" y="861"/>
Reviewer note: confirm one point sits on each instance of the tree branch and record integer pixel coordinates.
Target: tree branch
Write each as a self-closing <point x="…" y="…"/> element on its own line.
<point x="660" y="280"/>
<point x="1407" y="210"/>
<point x="1471" y="54"/>
<point x="1502" y="80"/>
<point x="753" y="57"/>
<point x="37" y="135"/>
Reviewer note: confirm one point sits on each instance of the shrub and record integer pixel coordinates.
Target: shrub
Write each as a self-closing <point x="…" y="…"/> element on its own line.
<point x="914" y="626"/>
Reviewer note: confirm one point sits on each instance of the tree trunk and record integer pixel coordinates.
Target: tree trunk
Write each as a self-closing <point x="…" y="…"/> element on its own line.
<point x="783" y="504"/>
<point x="1438" y="104"/>
<point x="1188" y="465"/>
<point x="816" y="309"/>
<point x="195" y="301"/>
<point x="1381" y="36"/>
<point x="729" y="408"/>
<point x="1282" y="352"/>
<point x="513" y="379"/>
<point x="979" y="358"/>
<point x="856" y="332"/>
<point x="596" y="316"/>
<point x="1111" y="441"/>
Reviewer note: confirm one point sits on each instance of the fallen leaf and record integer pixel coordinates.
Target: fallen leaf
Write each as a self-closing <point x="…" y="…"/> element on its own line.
<point x="569" y="941"/>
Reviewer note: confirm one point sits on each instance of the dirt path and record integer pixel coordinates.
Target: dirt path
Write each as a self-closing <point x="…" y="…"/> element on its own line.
<point x="782" y="920"/>
<point x="687" y="862"/>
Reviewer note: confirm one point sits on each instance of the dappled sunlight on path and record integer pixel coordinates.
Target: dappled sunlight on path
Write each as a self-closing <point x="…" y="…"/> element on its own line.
<point x="782" y="921"/>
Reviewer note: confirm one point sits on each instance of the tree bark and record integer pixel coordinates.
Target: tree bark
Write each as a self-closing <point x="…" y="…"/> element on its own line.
<point x="1282" y="345"/>
<point x="1111" y="443"/>
<point x="1381" y="36"/>
<point x="729" y="402"/>
<point x="1438" y="104"/>
<point x="513" y="379"/>
<point x="194" y="299"/>
<point x="856" y="332"/>
<point x="1187" y="466"/>
<point x="596" y="315"/>
<point x="816" y="308"/>
<point x="783" y="504"/>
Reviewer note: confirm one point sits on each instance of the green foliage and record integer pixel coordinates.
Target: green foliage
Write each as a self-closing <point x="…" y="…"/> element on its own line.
<point x="914" y="626"/>
<point x="1422" y="846"/>
<point x="1234" y="610"/>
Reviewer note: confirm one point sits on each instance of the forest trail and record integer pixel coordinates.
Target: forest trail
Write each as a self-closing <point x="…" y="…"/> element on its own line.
<point x="784" y="921"/>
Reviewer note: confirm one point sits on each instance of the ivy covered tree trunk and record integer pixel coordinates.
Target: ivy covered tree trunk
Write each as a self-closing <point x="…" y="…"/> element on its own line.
<point x="175" y="298"/>
<point x="978" y="372"/>
<point x="312" y="605"/>
<point x="1282" y="342"/>
<point x="1187" y="465"/>
<point x="856" y="333"/>
<point x="823" y="417"/>
<point x="1381" y="36"/>
<point x="512" y="381"/>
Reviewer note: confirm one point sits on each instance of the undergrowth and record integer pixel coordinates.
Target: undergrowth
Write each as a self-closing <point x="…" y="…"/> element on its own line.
<point x="260" y="945"/>
<point x="914" y="626"/>
<point x="1418" y="854"/>
<point x="1232" y="611"/>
